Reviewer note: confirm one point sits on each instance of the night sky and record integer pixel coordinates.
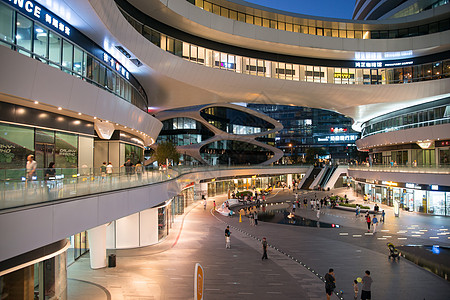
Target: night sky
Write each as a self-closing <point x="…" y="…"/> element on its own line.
<point x="324" y="8"/>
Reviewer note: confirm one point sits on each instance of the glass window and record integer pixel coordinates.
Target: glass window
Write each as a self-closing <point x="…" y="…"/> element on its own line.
<point x="171" y="44"/>
<point x="95" y="70"/>
<point x="66" y="154"/>
<point x="241" y="17"/>
<point x="40" y="41"/>
<point x="233" y="14"/>
<point x="281" y="26"/>
<point x="17" y="143"/>
<point x="327" y="32"/>
<point x="110" y="79"/>
<point x="54" y="48"/>
<point x="289" y="27"/>
<point x="258" y="21"/>
<point x="393" y="34"/>
<point x="6" y="24"/>
<point x="342" y="33"/>
<point x="77" y="60"/>
<point x="207" y="6"/>
<point x="312" y="30"/>
<point x="102" y="74"/>
<point x="319" y="31"/>
<point x="334" y="32"/>
<point x="178" y="48"/>
<point x="350" y="34"/>
<point x="249" y="19"/>
<point x="304" y="29"/>
<point x="216" y="9"/>
<point x="67" y="59"/>
<point x="224" y="12"/>
<point x="358" y="34"/>
<point x="23" y="34"/>
<point x="273" y="24"/>
<point x="296" y="28"/>
<point x="266" y="23"/>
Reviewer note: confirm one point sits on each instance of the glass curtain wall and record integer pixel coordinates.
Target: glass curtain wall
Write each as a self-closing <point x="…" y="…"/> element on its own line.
<point x="363" y="74"/>
<point x="32" y="39"/>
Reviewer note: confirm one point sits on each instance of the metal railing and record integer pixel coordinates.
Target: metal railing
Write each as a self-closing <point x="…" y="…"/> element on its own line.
<point x="426" y="169"/>
<point x="17" y="188"/>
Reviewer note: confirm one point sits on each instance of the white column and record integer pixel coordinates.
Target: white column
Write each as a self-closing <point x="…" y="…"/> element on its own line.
<point x="97" y="246"/>
<point x="289" y="180"/>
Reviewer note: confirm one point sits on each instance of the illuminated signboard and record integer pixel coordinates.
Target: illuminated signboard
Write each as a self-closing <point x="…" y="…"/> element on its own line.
<point x="412" y="186"/>
<point x="390" y="183"/>
<point x="116" y="65"/>
<point x="344" y="75"/>
<point x="338" y="130"/>
<point x="380" y="64"/>
<point x="41" y="14"/>
<point x="337" y="138"/>
<point x="435" y="187"/>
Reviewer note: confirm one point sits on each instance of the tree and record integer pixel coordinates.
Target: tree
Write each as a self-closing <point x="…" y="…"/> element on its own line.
<point x="313" y="153"/>
<point x="166" y="150"/>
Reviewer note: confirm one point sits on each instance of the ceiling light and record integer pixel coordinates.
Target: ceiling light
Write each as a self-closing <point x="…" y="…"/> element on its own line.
<point x="36" y="102"/>
<point x="79" y="114"/>
<point x="59" y="108"/>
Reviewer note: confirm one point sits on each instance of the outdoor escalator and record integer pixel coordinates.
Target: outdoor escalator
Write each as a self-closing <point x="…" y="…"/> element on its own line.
<point x="310" y="178"/>
<point x="326" y="177"/>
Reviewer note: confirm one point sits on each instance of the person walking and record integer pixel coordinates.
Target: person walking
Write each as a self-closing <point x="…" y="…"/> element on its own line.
<point x="109" y="170"/>
<point x="330" y="283"/>
<point x="293" y="207"/>
<point x="204" y="203"/>
<point x="318" y="213"/>
<point x="382" y="215"/>
<point x="251" y="217"/>
<point x="366" y="286"/>
<point x="357" y="211"/>
<point x="374" y="223"/>
<point x="214" y="206"/>
<point x="305" y="203"/>
<point x="368" y="221"/>
<point x="264" y="246"/>
<point x="31" y="168"/>
<point x="103" y="171"/>
<point x="227" y="238"/>
<point x="255" y="217"/>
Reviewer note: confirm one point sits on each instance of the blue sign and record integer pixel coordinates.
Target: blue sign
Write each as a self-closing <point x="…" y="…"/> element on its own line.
<point x="40" y="13"/>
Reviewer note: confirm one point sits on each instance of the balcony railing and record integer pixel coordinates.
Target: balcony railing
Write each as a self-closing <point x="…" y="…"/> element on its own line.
<point x="17" y="191"/>
<point x="433" y="169"/>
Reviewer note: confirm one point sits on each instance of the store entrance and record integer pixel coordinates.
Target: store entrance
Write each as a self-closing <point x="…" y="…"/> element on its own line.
<point x="45" y="154"/>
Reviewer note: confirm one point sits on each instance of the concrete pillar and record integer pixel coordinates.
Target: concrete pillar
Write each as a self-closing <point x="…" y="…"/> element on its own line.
<point x="97" y="246"/>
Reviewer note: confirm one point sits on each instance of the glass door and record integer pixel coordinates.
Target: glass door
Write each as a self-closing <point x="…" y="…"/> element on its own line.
<point x="45" y="154"/>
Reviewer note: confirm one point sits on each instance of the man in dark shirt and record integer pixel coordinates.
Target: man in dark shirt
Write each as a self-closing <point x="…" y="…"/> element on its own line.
<point x="264" y="245"/>
<point x="128" y="167"/>
<point x="227" y="237"/>
<point x="330" y="283"/>
<point x="366" y="285"/>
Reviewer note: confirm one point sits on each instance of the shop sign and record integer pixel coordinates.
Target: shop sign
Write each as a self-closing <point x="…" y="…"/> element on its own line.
<point x="379" y="64"/>
<point x="390" y="183"/>
<point x="413" y="186"/>
<point x="41" y="14"/>
<point x="115" y="65"/>
<point x="344" y="75"/>
<point x="338" y="130"/>
<point x="442" y="143"/>
<point x="370" y="181"/>
<point x="435" y="187"/>
<point x="6" y="148"/>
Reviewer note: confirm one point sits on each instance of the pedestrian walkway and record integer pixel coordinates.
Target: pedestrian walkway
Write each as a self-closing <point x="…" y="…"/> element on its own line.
<point x="166" y="270"/>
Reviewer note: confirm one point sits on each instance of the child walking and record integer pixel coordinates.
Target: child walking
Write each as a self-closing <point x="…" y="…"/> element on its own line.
<point x="355" y="289"/>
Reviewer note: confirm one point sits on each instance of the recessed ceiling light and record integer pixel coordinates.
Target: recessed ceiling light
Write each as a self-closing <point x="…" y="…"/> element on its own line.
<point x="36" y="102"/>
<point x="79" y="114"/>
<point x="59" y="108"/>
<point x="95" y="118"/>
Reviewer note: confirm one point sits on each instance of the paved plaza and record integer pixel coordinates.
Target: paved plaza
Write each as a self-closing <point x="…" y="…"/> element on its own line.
<point x="298" y="256"/>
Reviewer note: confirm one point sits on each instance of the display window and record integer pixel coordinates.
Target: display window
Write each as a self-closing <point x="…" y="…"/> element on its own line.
<point x="436" y="203"/>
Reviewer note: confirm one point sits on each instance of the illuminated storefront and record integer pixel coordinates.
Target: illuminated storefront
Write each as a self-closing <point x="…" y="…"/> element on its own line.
<point x="430" y="199"/>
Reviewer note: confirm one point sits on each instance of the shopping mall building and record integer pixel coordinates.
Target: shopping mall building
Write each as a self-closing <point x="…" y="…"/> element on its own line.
<point x="86" y="82"/>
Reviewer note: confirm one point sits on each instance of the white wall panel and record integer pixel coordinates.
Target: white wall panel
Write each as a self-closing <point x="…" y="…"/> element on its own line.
<point x="148" y="227"/>
<point x="85" y="152"/>
<point x="127" y="232"/>
<point x="112" y="206"/>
